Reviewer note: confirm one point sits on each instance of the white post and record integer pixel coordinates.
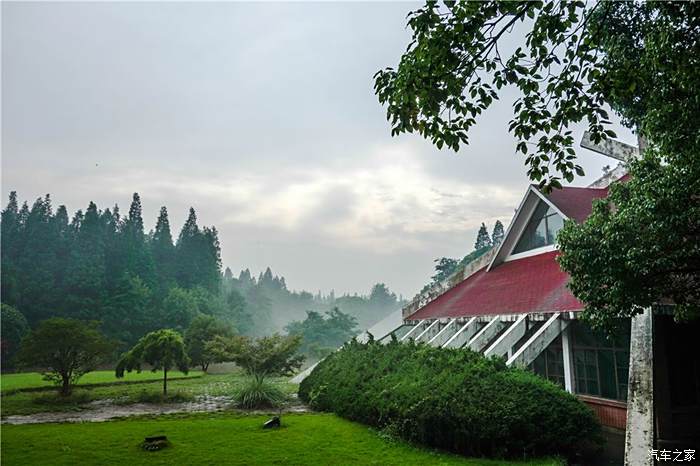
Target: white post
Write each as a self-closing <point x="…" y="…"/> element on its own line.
<point x="426" y="332"/>
<point x="444" y="334"/>
<point x="639" y="434"/>
<point x="510" y="337"/>
<point x="568" y="354"/>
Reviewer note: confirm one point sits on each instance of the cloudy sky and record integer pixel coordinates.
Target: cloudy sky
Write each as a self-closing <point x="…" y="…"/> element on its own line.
<point x="260" y="116"/>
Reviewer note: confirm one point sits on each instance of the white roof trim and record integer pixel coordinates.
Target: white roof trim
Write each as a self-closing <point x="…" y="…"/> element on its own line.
<point x="551" y="204"/>
<point x="518" y="212"/>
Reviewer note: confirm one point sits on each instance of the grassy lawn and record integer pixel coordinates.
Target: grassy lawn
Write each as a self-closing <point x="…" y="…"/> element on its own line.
<point x="208" y="439"/>
<point x="11" y="382"/>
<point x="19" y="402"/>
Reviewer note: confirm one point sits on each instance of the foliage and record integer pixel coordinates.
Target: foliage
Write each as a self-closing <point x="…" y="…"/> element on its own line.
<point x="65" y="349"/>
<point x="445" y="266"/>
<point x="162" y="349"/>
<point x="307" y="439"/>
<point x="642" y="246"/>
<point x="320" y="334"/>
<point x="102" y="266"/>
<point x="498" y="234"/>
<point x="14" y="327"/>
<point x="483" y="240"/>
<point x="624" y="258"/>
<point x="576" y="59"/>
<point x="258" y="393"/>
<point x="202" y="329"/>
<point x="262" y="357"/>
<point x="450" y="398"/>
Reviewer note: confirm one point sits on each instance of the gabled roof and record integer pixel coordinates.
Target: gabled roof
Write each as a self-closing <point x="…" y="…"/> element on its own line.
<point x="510" y="285"/>
<point x="530" y="284"/>
<point x="576" y="203"/>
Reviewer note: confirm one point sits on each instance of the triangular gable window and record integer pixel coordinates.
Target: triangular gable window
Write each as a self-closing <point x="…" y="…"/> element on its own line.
<point x="542" y="229"/>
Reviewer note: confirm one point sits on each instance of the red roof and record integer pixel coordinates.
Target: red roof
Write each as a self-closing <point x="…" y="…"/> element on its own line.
<point x="531" y="284"/>
<point x="576" y="203"/>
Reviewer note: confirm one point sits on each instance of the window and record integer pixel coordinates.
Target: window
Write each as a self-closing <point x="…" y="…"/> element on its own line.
<point x="600" y="363"/>
<point x="542" y="229"/>
<point x="550" y="363"/>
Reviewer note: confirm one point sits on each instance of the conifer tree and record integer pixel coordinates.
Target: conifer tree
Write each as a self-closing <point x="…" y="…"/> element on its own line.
<point x="497" y="235"/>
<point x="163" y="250"/>
<point x="482" y="238"/>
<point x="138" y="258"/>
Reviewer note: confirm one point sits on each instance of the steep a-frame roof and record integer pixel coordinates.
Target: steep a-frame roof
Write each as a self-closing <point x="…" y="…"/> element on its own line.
<point x="519" y="284"/>
<point x="576" y="203"/>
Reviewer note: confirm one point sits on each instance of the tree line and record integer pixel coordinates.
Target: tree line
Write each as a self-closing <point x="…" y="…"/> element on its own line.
<point x="101" y="266"/>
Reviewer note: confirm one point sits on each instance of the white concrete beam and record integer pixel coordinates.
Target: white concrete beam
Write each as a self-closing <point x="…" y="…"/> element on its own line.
<point x="429" y="331"/>
<point x="611" y="148"/>
<point x="416" y="330"/>
<point x="539" y="341"/>
<point x="486" y="334"/>
<point x="639" y="434"/>
<point x="510" y="337"/>
<point x="463" y="335"/>
<point x="443" y="335"/>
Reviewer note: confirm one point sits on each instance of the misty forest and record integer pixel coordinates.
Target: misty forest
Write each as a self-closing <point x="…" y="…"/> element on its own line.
<point x="101" y="265"/>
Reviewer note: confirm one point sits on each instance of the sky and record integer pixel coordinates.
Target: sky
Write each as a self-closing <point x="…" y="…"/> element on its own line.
<point x="262" y="117"/>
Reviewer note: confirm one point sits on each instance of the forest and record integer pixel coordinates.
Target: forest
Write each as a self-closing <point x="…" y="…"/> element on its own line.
<point x="104" y="266"/>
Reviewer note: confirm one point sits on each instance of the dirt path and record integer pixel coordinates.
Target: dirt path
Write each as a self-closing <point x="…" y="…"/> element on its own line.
<point x="104" y="410"/>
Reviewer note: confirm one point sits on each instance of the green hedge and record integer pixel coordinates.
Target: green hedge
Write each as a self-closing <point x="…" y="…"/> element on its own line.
<point x="452" y="399"/>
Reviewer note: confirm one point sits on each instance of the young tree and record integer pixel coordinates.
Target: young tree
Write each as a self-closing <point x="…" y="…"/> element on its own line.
<point x="202" y="329"/>
<point x="483" y="240"/>
<point x="260" y="358"/>
<point x="65" y="350"/>
<point x="444" y="267"/>
<point x="14" y="327"/>
<point x="162" y="349"/>
<point x="497" y="235"/>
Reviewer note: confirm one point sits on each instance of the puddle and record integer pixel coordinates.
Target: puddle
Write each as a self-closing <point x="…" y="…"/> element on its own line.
<point x="104" y="410"/>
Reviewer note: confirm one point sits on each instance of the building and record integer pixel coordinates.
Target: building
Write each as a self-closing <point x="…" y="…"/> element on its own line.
<point x="514" y="303"/>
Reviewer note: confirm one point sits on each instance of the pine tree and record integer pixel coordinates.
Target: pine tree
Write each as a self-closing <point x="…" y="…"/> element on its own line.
<point x="497" y="235"/>
<point x="163" y="251"/>
<point x="139" y="261"/>
<point x="482" y="238"/>
<point x="187" y="269"/>
<point x="10" y="235"/>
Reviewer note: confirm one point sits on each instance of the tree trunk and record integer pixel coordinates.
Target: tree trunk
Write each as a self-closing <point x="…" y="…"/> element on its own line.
<point x="165" y="381"/>
<point x="205" y="366"/>
<point x="65" y="385"/>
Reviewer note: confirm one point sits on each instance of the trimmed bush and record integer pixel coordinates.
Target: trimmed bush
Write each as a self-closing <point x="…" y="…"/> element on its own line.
<point x="453" y="399"/>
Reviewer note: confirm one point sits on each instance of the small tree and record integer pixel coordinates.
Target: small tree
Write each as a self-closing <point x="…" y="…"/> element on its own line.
<point x="483" y="240"/>
<point x="266" y="356"/>
<point x="162" y="349"/>
<point x="202" y="329"/>
<point x="498" y="234"/>
<point x="14" y="327"/>
<point x="65" y="349"/>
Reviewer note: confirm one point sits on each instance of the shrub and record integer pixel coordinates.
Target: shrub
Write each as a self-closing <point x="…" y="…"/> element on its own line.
<point x="258" y="393"/>
<point x="451" y="398"/>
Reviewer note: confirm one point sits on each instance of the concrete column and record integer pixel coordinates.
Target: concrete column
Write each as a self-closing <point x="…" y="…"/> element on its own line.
<point x="568" y="354"/>
<point x="639" y="434"/>
<point x="463" y="335"/>
<point x="510" y="337"/>
<point x="539" y="341"/>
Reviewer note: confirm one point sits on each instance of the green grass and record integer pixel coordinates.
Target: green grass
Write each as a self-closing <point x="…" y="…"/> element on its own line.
<point x="20" y="402"/>
<point x="24" y="380"/>
<point x="206" y="439"/>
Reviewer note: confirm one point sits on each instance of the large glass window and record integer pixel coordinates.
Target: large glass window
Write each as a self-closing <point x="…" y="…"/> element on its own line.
<point x="600" y="363"/>
<point x="550" y="363"/>
<point x="542" y="229"/>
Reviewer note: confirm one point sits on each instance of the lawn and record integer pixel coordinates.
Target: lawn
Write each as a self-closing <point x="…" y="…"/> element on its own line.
<point x="11" y="382"/>
<point x="207" y="439"/>
<point x="25" y="402"/>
